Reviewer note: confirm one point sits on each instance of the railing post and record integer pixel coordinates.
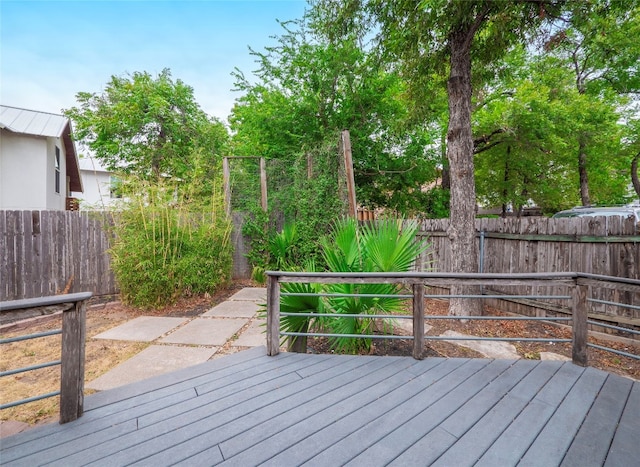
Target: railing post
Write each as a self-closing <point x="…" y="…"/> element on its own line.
<point x="273" y="315"/>
<point x="579" y="323"/>
<point x="72" y="372"/>
<point x="418" y="321"/>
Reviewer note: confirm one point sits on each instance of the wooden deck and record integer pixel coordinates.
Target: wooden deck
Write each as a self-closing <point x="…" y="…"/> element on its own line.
<point x="325" y="410"/>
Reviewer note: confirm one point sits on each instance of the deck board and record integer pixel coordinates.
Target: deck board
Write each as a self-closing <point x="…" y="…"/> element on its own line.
<point x="555" y="439"/>
<point x="482" y="431"/>
<point x="426" y="416"/>
<point x="294" y="409"/>
<point x="592" y="442"/>
<point x="624" y="448"/>
<point x="369" y="415"/>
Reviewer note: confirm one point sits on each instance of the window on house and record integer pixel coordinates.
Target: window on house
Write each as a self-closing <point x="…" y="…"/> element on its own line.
<point x="57" y="169"/>
<point x="115" y="187"/>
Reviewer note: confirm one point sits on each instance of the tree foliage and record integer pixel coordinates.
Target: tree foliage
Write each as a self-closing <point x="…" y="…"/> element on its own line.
<point x="147" y="126"/>
<point x="447" y="38"/>
<point x="525" y="144"/>
<point x="171" y="233"/>
<point x="598" y="43"/>
<point x="320" y="79"/>
<point x="169" y="242"/>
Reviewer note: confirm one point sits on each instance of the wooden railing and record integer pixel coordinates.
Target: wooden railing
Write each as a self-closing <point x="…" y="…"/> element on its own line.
<point x="577" y="285"/>
<point x="73" y="349"/>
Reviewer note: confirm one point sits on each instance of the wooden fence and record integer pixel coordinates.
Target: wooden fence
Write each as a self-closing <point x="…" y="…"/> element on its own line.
<point x="49" y="252"/>
<point x="597" y="245"/>
<point x="46" y="253"/>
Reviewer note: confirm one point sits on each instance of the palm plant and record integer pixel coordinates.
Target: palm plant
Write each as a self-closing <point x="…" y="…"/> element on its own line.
<point x="305" y="299"/>
<point x="386" y="246"/>
<point x="282" y="245"/>
<point x="310" y="302"/>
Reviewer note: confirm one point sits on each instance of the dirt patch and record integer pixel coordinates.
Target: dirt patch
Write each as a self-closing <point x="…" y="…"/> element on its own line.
<point x="601" y="359"/>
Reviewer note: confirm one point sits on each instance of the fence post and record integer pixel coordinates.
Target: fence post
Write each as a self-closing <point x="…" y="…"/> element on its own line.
<point x="72" y="372"/>
<point x="226" y="181"/>
<point x="579" y="323"/>
<point x="273" y="315"/>
<point x="263" y="184"/>
<point x="418" y="321"/>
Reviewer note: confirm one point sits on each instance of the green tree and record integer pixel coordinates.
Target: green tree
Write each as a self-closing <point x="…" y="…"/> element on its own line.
<point x="446" y="38"/>
<point x="320" y="79"/>
<point x="172" y="236"/>
<point x="599" y="43"/>
<point x="524" y="131"/>
<point x="147" y="126"/>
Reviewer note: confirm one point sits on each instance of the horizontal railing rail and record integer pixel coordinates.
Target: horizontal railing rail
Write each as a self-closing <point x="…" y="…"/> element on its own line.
<point x="578" y="304"/>
<point x="73" y="349"/>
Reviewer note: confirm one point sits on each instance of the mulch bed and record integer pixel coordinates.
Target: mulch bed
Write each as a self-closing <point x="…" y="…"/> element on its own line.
<point x="488" y="328"/>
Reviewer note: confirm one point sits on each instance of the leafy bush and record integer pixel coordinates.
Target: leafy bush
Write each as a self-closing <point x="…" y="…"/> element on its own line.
<point x="167" y="245"/>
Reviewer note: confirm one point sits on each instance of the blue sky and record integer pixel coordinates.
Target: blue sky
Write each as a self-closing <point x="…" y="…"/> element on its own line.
<point x="51" y="50"/>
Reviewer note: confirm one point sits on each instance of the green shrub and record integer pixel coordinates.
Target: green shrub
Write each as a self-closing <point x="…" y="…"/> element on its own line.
<point x="167" y="244"/>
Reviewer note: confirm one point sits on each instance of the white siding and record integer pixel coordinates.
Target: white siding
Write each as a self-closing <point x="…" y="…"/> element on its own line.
<point x="96" y="182"/>
<point x="97" y="190"/>
<point x="23" y="173"/>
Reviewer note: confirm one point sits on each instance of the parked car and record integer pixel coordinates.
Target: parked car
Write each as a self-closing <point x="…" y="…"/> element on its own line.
<point x="629" y="210"/>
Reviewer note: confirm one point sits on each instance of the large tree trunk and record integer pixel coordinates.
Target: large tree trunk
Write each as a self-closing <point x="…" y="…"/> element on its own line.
<point x="462" y="233"/>
<point x="505" y="192"/>
<point x="635" y="178"/>
<point x="582" y="170"/>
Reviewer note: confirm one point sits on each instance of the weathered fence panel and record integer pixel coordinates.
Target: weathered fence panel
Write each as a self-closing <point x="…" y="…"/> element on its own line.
<point x="50" y="252"/>
<point x="596" y="245"/>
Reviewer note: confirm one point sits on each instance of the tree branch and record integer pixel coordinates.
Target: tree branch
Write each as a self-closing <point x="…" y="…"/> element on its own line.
<point x="487" y="147"/>
<point x="477" y="22"/>
<point x="486" y="138"/>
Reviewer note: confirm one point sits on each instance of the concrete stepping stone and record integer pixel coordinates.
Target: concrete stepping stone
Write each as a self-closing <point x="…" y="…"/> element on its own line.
<point x="251" y="293"/>
<point x="142" y="329"/>
<point x="12" y="427"/>
<point x="205" y="331"/>
<point x="152" y="361"/>
<point x="253" y="336"/>
<point x="490" y="349"/>
<point x="554" y="356"/>
<point x="401" y="327"/>
<point x="234" y="309"/>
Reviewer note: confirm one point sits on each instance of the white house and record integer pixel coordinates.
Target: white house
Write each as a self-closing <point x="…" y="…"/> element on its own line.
<point x="98" y="184"/>
<point x="38" y="161"/>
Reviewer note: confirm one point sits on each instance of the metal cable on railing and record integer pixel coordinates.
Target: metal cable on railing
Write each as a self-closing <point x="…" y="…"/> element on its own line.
<point x="578" y="282"/>
<point x="616" y="328"/>
<point x="30" y="368"/>
<point x="72" y="354"/>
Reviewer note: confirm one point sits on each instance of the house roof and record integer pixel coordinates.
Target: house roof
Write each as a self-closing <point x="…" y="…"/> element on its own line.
<point x="31" y="122"/>
<point x="91" y="164"/>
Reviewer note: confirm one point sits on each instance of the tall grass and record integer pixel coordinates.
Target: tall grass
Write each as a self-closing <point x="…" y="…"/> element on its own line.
<point x="169" y="241"/>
